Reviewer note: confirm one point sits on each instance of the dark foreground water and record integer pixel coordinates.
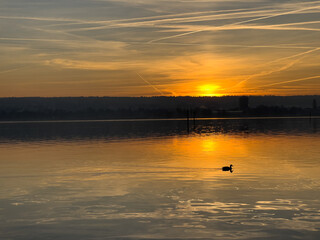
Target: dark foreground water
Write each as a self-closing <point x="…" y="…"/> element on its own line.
<point x="153" y="180"/>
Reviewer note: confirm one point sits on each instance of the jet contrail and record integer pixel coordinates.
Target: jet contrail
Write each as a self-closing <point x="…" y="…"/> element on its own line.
<point x="236" y="23"/>
<point x="289" y="81"/>
<point x="295" y="55"/>
<point x="11" y="70"/>
<point x="290" y="64"/>
<point x="154" y="87"/>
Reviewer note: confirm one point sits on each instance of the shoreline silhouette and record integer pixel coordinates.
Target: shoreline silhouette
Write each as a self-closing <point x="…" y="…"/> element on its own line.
<point x="111" y="108"/>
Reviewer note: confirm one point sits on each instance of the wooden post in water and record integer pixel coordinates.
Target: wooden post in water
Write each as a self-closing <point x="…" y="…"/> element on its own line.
<point x="310" y="116"/>
<point x="194" y="119"/>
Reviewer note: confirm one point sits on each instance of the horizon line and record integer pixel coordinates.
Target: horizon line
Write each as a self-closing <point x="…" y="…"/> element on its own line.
<point x="246" y="95"/>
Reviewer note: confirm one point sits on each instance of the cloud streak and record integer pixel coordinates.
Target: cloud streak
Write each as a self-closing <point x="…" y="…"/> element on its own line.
<point x="150" y="84"/>
<point x="238" y="23"/>
<point x="289" y="81"/>
<point x="278" y="69"/>
<point x="181" y="45"/>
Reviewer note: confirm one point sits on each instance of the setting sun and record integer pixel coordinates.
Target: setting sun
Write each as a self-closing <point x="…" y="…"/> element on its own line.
<point x="209" y="90"/>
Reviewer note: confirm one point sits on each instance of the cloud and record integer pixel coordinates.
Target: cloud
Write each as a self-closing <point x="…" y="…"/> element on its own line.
<point x="177" y="45"/>
<point x="239" y="22"/>
<point x="87" y="65"/>
<point x="289" y="81"/>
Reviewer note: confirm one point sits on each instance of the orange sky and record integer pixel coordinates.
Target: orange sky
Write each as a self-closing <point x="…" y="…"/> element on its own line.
<point x="148" y="47"/>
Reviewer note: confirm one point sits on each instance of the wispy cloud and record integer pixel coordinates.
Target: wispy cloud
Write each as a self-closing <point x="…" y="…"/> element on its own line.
<point x="238" y="45"/>
<point x="11" y="70"/>
<point x="238" y="23"/>
<point x="289" y="81"/>
<point x="90" y="65"/>
<point x="151" y="85"/>
<point x="286" y="66"/>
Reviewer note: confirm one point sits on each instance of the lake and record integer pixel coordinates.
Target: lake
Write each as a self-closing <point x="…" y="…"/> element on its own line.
<point x="158" y="180"/>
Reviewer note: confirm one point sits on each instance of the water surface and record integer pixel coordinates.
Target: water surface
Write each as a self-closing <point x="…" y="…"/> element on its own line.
<point x="157" y="180"/>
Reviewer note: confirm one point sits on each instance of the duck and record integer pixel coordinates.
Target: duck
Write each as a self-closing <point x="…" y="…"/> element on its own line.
<point x="227" y="169"/>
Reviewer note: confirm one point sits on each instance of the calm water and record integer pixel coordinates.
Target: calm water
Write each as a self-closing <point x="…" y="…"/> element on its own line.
<point x="153" y="180"/>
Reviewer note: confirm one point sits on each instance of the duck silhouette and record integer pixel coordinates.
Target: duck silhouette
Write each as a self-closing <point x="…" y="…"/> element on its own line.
<point x="228" y="169"/>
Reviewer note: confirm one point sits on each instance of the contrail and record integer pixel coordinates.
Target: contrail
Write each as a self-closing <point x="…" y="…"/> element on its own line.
<point x="264" y="73"/>
<point x="32" y="39"/>
<point x="290" y="64"/>
<point x="231" y="45"/>
<point x="179" y="35"/>
<point x="295" y="55"/>
<point x="289" y="81"/>
<point x="164" y="18"/>
<point x="154" y="87"/>
<point x="236" y="23"/>
<point x="11" y="70"/>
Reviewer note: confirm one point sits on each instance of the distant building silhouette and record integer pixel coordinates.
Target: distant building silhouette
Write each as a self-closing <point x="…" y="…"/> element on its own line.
<point x="314" y="104"/>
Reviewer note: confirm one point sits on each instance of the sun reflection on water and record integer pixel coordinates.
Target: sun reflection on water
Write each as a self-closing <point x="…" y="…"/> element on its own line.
<point x="170" y="185"/>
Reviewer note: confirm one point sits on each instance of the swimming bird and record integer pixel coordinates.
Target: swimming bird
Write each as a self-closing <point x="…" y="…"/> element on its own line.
<point x="227" y="169"/>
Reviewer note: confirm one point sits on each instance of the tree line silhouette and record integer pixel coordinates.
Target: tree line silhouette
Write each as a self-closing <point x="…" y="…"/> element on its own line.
<point x="80" y="108"/>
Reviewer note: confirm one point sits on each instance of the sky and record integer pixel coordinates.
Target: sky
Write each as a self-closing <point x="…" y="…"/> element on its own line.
<point x="159" y="47"/>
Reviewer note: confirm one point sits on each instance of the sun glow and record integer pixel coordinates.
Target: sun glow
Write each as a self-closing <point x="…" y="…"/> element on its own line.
<point x="209" y="90"/>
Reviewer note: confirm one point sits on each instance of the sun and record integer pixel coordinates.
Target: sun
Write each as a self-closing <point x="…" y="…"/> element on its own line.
<point x="209" y="90"/>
